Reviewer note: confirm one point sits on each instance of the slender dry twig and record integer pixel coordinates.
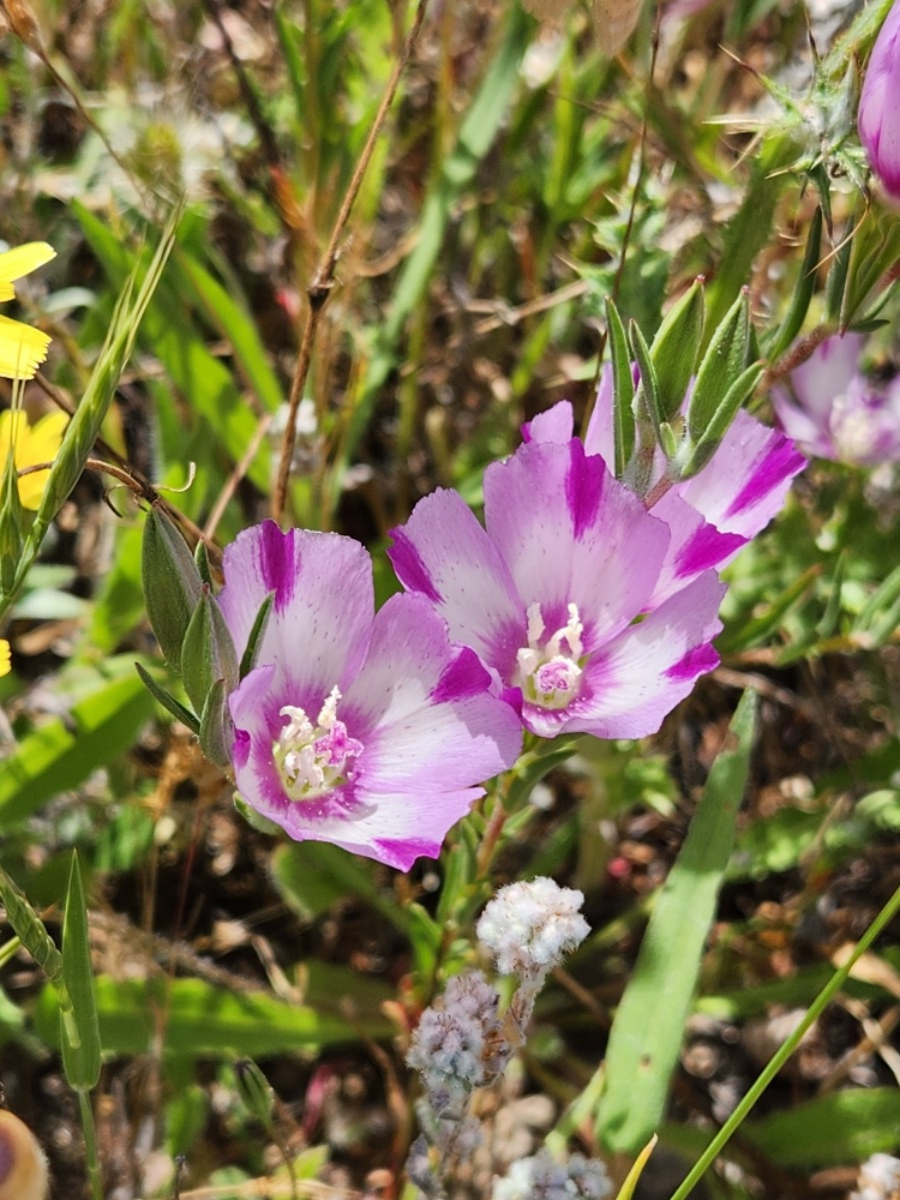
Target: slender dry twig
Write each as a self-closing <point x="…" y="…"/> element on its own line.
<point x="323" y="281"/>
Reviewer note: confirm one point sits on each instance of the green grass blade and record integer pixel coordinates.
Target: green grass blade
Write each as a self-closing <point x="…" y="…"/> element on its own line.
<point x="59" y="755"/>
<point x="81" y="1059"/>
<point x="649" y="1026"/>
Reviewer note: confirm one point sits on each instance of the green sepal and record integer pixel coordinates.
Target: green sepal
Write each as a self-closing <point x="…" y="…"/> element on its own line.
<point x="648" y="388"/>
<point x="803" y="291"/>
<point x="201" y="558"/>
<point x="703" y="450"/>
<point x="167" y="700"/>
<point x="675" y="349"/>
<point x="248" y="658"/>
<point x="216" y="728"/>
<point x="874" y="252"/>
<point x="724" y="362"/>
<point x="80" y="1034"/>
<point x="254" y="818"/>
<point x="623" y="390"/>
<point x="172" y="583"/>
<point x="208" y="652"/>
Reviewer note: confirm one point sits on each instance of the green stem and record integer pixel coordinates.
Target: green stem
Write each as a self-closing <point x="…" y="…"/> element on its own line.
<point x="90" y="1143"/>
<point x="781" y="1056"/>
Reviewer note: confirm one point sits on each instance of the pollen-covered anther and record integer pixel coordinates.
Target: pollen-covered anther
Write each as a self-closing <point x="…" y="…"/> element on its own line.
<point x="549" y="672"/>
<point x="312" y="760"/>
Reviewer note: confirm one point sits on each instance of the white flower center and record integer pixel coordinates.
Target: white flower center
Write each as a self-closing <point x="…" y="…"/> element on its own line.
<point x="313" y="759"/>
<point x="549" y="670"/>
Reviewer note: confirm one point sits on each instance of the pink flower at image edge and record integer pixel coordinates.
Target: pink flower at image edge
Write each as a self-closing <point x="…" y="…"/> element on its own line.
<point x="368" y="730"/>
<point x="878" y="116"/>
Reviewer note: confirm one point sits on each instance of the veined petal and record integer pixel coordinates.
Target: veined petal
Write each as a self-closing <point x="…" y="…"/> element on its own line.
<point x="22" y="349"/>
<point x="569" y="532"/>
<point x="554" y="425"/>
<point x="696" y="546"/>
<point x="443" y="554"/>
<point x="429" y="722"/>
<point x="19" y="261"/>
<point x="319" y="625"/>
<point x="745" y="483"/>
<point x="636" y="679"/>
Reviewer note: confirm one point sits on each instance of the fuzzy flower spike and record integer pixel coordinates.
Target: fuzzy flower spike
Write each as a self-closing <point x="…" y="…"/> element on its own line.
<point x="554" y="593"/>
<point x="369" y="731"/>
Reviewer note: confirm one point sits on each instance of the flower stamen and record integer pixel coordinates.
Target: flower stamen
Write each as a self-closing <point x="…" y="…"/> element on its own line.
<point x="312" y="760"/>
<point x="549" y="672"/>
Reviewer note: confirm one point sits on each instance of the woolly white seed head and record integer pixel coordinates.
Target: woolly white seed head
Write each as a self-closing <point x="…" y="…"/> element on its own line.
<point x="528" y="928"/>
<point x="541" y="1178"/>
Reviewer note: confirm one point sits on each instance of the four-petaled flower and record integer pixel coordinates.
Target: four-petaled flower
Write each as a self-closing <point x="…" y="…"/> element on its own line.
<point x="833" y="411"/>
<point x="22" y="349"/>
<point x="559" y="593"/>
<point x="369" y="730"/>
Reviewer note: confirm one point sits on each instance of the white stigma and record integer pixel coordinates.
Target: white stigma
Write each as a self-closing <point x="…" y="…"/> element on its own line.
<point x="549" y="672"/>
<point x="312" y="760"/>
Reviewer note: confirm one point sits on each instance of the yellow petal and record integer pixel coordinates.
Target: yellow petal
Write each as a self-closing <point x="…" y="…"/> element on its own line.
<point x="4" y="657"/>
<point x="22" y="349"/>
<point x="22" y="260"/>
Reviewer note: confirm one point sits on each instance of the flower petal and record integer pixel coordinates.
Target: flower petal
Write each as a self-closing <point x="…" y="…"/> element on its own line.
<point x="319" y="626"/>
<point x="19" y="261"/>
<point x="22" y="349"/>
<point x="634" y="681"/>
<point x="442" y="553"/>
<point x="745" y="483"/>
<point x="568" y="531"/>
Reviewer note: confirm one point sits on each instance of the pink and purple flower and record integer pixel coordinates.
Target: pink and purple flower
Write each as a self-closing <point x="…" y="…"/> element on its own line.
<point x="833" y="410"/>
<point x="370" y="731"/>
<point x="711" y="515"/>
<point x="878" y="116"/>
<point x="556" y="593"/>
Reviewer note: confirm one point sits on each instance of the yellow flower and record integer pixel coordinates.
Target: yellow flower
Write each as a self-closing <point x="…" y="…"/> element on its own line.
<point x="4" y="657"/>
<point x="22" y="349"/>
<point x="31" y="444"/>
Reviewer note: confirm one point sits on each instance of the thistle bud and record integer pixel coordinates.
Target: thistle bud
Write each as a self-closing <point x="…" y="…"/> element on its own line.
<point x="23" y="1167"/>
<point x="879" y="106"/>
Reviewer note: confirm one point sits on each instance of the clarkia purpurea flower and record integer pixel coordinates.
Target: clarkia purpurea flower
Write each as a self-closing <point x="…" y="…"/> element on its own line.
<point x="878" y="115"/>
<point x="31" y="445"/>
<point x="832" y="410"/>
<point x="22" y="349"/>
<point x="556" y="593"/>
<point x="368" y="730"/>
<point x="715" y="512"/>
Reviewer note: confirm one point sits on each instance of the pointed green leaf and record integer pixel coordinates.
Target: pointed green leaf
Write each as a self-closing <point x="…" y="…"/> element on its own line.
<point x="207" y="654"/>
<point x="723" y="362"/>
<point x="676" y="348"/>
<point x="81" y="1058"/>
<point x="623" y="390"/>
<point x="803" y="291"/>
<point x="649" y="1025"/>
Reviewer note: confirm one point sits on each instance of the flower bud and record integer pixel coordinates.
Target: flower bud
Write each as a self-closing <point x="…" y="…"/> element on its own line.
<point x="23" y="1167"/>
<point x="879" y="106"/>
<point x="172" y="583"/>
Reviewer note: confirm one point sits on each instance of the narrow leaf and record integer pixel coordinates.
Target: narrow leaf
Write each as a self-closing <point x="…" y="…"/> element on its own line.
<point x="81" y="1060"/>
<point x="649" y="1026"/>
